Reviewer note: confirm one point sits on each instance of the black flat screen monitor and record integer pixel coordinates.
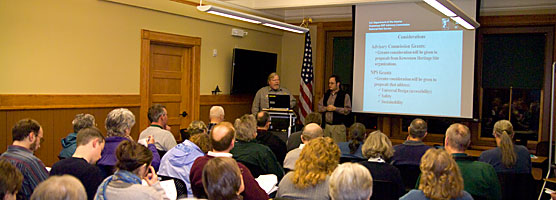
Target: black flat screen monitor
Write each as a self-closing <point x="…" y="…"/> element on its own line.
<point x="251" y="69"/>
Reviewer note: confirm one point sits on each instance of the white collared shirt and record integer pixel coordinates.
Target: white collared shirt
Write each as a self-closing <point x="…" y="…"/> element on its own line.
<point x="215" y="154"/>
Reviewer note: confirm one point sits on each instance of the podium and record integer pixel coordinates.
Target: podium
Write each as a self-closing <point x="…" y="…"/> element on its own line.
<point x="281" y="120"/>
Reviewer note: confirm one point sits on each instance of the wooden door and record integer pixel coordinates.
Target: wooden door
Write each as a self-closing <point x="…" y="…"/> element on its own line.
<point x="170" y="76"/>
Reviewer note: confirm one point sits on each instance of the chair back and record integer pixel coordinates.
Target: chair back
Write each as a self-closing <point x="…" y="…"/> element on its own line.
<point x="384" y="190"/>
<point x="255" y="170"/>
<point x="517" y="186"/>
<point x="410" y="174"/>
<point x="181" y="188"/>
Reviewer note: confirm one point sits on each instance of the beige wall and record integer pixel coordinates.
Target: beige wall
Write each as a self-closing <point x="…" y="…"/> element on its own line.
<point x="292" y="58"/>
<point x="93" y="47"/>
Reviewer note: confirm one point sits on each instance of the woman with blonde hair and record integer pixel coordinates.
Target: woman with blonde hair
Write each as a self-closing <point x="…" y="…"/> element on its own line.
<point x="507" y="157"/>
<point x="378" y="150"/>
<point x="317" y="161"/>
<point x="440" y="178"/>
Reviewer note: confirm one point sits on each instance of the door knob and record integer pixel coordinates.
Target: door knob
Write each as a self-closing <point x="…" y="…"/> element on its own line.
<point x="183" y="114"/>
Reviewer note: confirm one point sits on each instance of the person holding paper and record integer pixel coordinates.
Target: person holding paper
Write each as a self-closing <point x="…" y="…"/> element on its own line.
<point x="260" y="101"/>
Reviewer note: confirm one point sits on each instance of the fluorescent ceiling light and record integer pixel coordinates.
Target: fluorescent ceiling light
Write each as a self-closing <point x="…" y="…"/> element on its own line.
<point x="463" y="23"/>
<point x="251" y="18"/>
<point x="234" y="17"/>
<point x="449" y="9"/>
<point x="440" y="8"/>
<point x="283" y="28"/>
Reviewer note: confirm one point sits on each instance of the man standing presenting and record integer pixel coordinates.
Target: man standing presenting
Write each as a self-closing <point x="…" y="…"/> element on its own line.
<point x="335" y="105"/>
<point x="27" y="136"/>
<point x="260" y="101"/>
<point x="164" y="140"/>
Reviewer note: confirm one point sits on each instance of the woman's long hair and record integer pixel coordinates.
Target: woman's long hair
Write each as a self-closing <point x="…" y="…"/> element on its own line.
<point x="504" y="130"/>
<point x="440" y="176"/>
<point x="317" y="160"/>
<point x="356" y="134"/>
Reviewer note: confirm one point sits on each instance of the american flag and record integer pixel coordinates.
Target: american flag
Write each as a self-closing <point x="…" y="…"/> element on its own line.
<point x="306" y="85"/>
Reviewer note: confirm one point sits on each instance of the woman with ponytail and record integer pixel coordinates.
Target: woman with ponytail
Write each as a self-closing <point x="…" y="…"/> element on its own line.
<point x="507" y="157"/>
<point x="352" y="149"/>
<point x="440" y="178"/>
<point x="133" y="165"/>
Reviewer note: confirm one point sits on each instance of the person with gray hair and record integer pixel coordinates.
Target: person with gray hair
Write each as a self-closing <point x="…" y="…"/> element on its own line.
<point x="350" y="181"/>
<point x="479" y="178"/>
<point x="261" y="101"/>
<point x="118" y="124"/>
<point x="257" y="157"/>
<point x="60" y="188"/>
<point x="216" y="115"/>
<point x="411" y="151"/>
<point x="378" y="149"/>
<point x="69" y="143"/>
<point x="310" y="131"/>
<point x="158" y="116"/>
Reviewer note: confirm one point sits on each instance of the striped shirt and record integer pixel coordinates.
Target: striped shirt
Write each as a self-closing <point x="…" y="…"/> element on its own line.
<point x="30" y="166"/>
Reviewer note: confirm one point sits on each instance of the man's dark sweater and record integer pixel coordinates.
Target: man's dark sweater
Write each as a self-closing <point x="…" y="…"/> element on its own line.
<point x="409" y="153"/>
<point x="276" y="145"/>
<point x="88" y="174"/>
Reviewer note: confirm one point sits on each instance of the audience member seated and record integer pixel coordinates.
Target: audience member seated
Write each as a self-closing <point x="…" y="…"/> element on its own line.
<point x="27" y="135"/>
<point x="479" y="178"/>
<point x="295" y="138"/>
<point x="134" y="164"/>
<point x="80" y="121"/>
<point x="194" y="128"/>
<point x="257" y="157"/>
<point x="164" y="139"/>
<point x="378" y="149"/>
<point x="222" y="139"/>
<point x="10" y="180"/>
<point x="216" y="115"/>
<point x="222" y="179"/>
<point x="268" y="139"/>
<point x="60" y="188"/>
<point x="440" y="178"/>
<point x="310" y="132"/>
<point x="351" y="151"/>
<point x="350" y="181"/>
<point x="310" y="179"/>
<point x="507" y="157"/>
<point x="118" y="125"/>
<point x="411" y="151"/>
<point x="90" y="143"/>
<point x="178" y="161"/>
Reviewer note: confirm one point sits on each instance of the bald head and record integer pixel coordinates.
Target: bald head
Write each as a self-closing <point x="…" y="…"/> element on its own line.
<point x="222" y="136"/>
<point x="311" y="131"/>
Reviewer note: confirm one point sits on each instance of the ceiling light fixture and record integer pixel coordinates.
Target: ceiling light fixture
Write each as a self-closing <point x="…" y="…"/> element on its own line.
<point x="251" y="18"/>
<point x="449" y="9"/>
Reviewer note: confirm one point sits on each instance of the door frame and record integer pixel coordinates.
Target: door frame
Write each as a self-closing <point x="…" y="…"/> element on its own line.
<point x="149" y="37"/>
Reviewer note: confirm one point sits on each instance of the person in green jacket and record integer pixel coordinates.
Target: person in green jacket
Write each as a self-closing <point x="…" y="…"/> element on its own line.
<point x="479" y="178"/>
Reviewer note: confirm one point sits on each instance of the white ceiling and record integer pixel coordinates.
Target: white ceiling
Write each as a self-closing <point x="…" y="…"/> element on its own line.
<point x="334" y="10"/>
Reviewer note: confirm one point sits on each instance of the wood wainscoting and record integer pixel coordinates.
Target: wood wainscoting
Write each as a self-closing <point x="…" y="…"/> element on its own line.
<point x="55" y="113"/>
<point x="234" y="106"/>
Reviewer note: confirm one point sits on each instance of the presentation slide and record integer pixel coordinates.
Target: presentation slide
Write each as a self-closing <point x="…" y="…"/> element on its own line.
<point x="412" y="60"/>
